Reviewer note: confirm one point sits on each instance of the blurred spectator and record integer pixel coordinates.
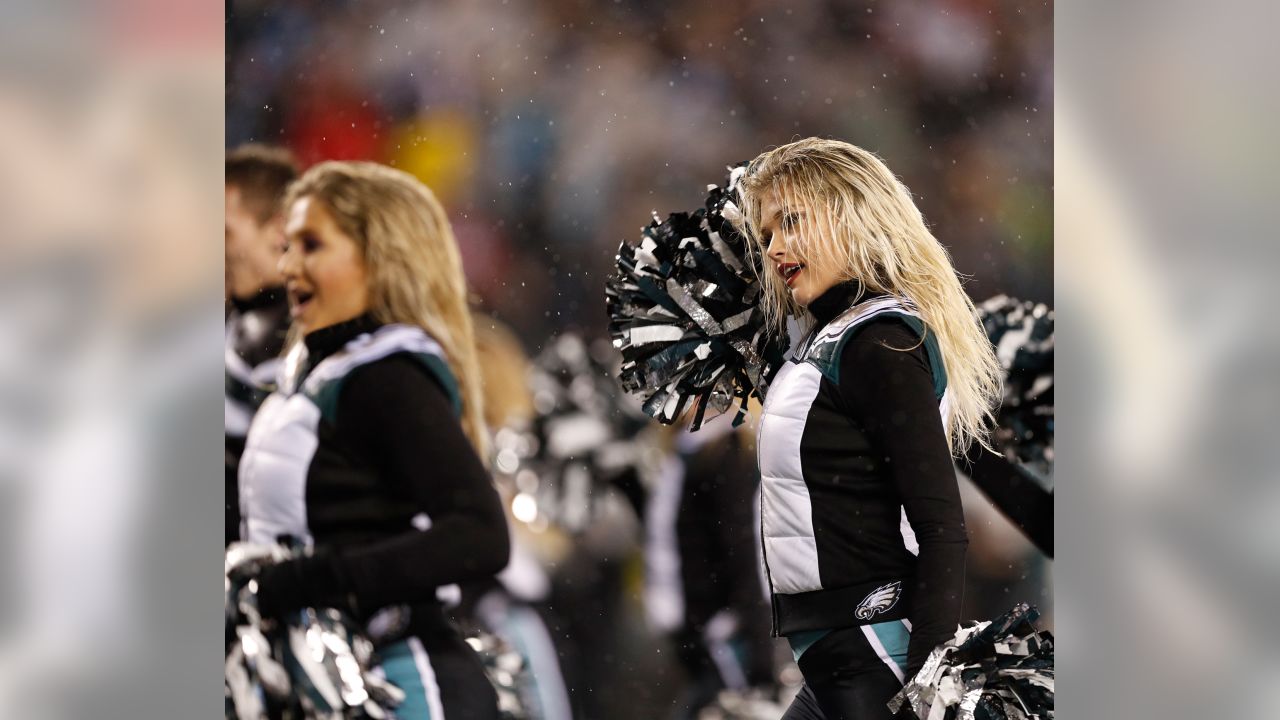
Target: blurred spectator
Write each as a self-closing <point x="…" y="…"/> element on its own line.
<point x="553" y="129"/>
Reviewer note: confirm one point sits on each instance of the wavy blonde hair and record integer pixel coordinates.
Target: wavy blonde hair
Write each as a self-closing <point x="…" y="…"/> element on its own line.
<point x="861" y="222"/>
<point x="412" y="263"/>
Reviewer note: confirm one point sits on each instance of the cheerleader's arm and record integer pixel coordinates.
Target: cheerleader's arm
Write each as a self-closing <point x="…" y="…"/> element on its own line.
<point x="890" y="393"/>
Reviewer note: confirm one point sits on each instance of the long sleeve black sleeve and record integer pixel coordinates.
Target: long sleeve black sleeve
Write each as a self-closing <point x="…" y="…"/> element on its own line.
<point x="395" y="414"/>
<point x="889" y="392"/>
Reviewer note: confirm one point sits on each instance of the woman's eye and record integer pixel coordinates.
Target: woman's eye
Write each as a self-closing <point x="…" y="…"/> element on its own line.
<point x="310" y="244"/>
<point x="789" y="221"/>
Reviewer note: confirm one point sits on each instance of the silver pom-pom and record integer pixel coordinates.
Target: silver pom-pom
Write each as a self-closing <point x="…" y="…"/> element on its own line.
<point x="684" y="308"/>
<point x="995" y="670"/>
<point x="319" y="664"/>
<point x="1022" y="333"/>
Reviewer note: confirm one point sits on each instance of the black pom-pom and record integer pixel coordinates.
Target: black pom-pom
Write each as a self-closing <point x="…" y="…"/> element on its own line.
<point x="684" y="310"/>
<point x="996" y="670"/>
<point x="1022" y="333"/>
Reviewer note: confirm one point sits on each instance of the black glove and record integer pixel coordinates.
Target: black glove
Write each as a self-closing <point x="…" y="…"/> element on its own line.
<point x="316" y="580"/>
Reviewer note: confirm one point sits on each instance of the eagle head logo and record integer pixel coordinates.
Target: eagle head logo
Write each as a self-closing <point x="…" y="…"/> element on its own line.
<point x="879" y="600"/>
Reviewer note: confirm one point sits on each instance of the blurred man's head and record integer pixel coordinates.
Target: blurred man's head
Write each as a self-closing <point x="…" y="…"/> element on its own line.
<point x="256" y="179"/>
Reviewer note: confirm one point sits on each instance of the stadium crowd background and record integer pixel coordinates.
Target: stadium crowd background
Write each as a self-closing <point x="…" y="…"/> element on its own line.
<point x="552" y="130"/>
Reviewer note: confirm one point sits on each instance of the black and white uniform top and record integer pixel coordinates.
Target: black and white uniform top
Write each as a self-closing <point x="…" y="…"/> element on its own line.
<point x="255" y="336"/>
<point x="860" y="510"/>
<point x="360" y="452"/>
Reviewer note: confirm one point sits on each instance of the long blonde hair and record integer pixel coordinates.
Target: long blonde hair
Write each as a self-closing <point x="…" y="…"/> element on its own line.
<point x="860" y="221"/>
<point x="412" y="262"/>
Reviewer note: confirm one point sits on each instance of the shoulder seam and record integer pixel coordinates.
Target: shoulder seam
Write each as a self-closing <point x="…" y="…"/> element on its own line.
<point x="825" y="351"/>
<point x="324" y="384"/>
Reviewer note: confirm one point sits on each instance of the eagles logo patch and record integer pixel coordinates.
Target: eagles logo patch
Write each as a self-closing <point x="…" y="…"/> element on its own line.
<point x="879" y="600"/>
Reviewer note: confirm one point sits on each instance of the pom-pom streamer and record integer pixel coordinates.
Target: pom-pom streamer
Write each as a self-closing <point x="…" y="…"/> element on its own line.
<point x="995" y="670"/>
<point x="684" y="311"/>
<point x="582" y="440"/>
<point x="1022" y="333"/>
<point x="317" y="664"/>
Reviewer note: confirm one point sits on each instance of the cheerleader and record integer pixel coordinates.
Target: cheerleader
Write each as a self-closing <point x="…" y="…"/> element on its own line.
<point x="258" y="314"/>
<point x="370" y="449"/>
<point x="863" y="532"/>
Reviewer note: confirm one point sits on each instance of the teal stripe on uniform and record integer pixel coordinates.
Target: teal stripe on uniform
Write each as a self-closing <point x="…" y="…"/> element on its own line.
<point x="895" y="638"/>
<point x="402" y="671"/>
<point x="802" y="641"/>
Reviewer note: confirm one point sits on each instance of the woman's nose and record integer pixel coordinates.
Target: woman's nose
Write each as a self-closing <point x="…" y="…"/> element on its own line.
<point x="776" y="248"/>
<point x="287" y="264"/>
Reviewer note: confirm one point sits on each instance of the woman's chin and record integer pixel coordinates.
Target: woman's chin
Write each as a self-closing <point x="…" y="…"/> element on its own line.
<point x="306" y="323"/>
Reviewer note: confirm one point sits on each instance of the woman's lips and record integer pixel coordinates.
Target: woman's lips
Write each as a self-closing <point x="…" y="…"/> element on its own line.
<point x="298" y="302"/>
<point x="789" y="272"/>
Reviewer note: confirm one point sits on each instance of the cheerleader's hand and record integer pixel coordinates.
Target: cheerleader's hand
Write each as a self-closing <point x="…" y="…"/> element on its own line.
<point x="314" y="580"/>
<point x="242" y="564"/>
<point x="244" y="561"/>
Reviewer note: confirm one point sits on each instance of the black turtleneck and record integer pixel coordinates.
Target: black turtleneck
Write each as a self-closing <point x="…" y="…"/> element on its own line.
<point x="394" y="417"/>
<point x="328" y="340"/>
<point x="836" y="300"/>
<point x="888" y="391"/>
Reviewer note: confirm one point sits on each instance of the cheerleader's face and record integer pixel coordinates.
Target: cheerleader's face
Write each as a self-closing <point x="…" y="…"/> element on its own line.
<point x="324" y="270"/>
<point x="784" y="228"/>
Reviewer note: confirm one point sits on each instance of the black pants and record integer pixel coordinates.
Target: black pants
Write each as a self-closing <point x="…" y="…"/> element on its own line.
<point x="844" y="679"/>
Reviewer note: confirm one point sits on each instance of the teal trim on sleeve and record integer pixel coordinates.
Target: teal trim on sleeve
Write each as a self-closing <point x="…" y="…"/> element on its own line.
<point x="933" y="352"/>
<point x="326" y="396"/>
<point x="827" y="356"/>
<point x="440" y="369"/>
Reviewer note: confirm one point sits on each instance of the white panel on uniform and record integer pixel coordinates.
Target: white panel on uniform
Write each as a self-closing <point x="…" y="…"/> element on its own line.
<point x="273" y="473"/>
<point x="786" y="507"/>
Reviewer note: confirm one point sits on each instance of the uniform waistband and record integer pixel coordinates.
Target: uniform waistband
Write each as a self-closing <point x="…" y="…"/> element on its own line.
<point x="396" y="622"/>
<point x="861" y="604"/>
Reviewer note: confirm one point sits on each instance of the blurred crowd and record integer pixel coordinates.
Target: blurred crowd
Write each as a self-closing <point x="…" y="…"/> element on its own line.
<point x="552" y="130"/>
